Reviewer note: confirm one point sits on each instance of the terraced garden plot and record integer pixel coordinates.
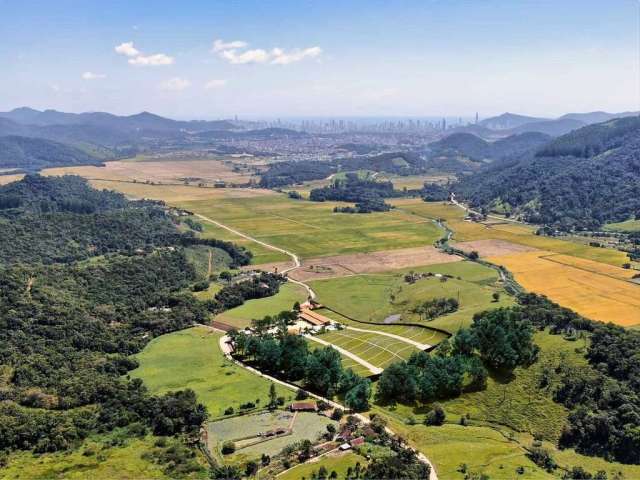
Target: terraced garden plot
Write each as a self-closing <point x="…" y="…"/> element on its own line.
<point x="379" y="350"/>
<point x="347" y="362"/>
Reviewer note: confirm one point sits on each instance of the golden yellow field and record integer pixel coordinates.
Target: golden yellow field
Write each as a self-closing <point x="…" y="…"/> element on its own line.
<point x="594" y="290"/>
<point x="4" y="179"/>
<point x="465" y="231"/>
<point x="163" y="171"/>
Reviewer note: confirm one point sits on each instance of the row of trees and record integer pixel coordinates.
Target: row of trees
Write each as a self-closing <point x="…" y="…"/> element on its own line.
<point x="289" y="357"/>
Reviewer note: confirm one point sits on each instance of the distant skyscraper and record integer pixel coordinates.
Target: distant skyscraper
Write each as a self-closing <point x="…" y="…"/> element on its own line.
<point x="476" y="118"/>
<point x="444" y="124"/>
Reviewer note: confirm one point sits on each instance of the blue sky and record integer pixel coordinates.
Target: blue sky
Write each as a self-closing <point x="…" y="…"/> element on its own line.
<point x="321" y="57"/>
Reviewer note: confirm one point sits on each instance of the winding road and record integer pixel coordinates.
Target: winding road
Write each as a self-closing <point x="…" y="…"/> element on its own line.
<point x="224" y="347"/>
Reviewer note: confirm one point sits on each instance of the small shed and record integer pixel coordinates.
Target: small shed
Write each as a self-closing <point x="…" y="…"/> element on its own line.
<point x="357" y="442"/>
<point x="304" y="407"/>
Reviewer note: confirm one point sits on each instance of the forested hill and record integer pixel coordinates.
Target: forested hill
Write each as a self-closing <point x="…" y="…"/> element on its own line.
<point x="476" y="148"/>
<point x="33" y="154"/>
<point x="62" y="219"/>
<point x="580" y="180"/>
<point x="88" y="278"/>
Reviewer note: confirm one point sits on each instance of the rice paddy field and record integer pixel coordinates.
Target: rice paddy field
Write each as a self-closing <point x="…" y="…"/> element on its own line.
<point x="241" y="316"/>
<point x="380" y="297"/>
<point x="379" y="350"/>
<point x="510" y="232"/>
<point x="597" y="291"/>
<point x="192" y="359"/>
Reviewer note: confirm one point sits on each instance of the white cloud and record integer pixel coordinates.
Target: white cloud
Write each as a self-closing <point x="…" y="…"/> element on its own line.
<point x="213" y="84"/>
<point x="156" y="60"/>
<point x="220" y="45"/>
<point x="250" y="56"/>
<point x="175" y="84"/>
<point x="127" y="49"/>
<point x="233" y="53"/>
<point x="93" y="76"/>
<point x="136" y="57"/>
<point x="280" y="57"/>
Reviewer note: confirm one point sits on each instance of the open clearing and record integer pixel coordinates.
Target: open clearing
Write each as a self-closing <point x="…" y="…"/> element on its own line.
<point x="171" y="170"/>
<point x="491" y="248"/>
<point x="305" y="425"/>
<point x="596" y="291"/>
<point x="343" y="265"/>
<point x="628" y="226"/>
<point x="375" y="297"/>
<point x="241" y="316"/>
<point x="192" y="359"/>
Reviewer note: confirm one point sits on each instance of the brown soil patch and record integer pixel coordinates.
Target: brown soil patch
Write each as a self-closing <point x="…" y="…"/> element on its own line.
<point x="344" y="265"/>
<point x="492" y="248"/>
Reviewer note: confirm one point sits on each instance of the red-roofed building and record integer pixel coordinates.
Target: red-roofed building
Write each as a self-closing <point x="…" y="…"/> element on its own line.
<point x="304" y="407"/>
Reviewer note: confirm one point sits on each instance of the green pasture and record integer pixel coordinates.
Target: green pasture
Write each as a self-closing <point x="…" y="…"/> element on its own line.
<point x="192" y="359"/>
<point x="241" y="316"/>
<point x="198" y="256"/>
<point x="311" y="229"/>
<point x="626" y="226"/>
<point x="346" y="361"/>
<point x="338" y="462"/>
<point x="375" y="297"/>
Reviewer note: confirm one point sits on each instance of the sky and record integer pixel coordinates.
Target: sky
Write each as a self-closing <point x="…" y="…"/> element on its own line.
<point x="264" y="58"/>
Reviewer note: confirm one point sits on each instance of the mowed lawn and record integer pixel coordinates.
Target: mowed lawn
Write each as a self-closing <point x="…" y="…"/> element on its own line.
<point x="379" y="350"/>
<point x="311" y="229"/>
<point x="241" y="316"/>
<point x="628" y="226"/>
<point x="520" y="234"/>
<point x="376" y="297"/>
<point x="192" y="359"/>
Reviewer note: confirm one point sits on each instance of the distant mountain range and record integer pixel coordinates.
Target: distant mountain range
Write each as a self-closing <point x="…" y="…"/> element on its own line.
<point x="583" y="179"/>
<point x="511" y="123"/>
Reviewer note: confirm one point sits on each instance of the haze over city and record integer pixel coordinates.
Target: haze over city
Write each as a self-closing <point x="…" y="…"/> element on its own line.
<point x="255" y="59"/>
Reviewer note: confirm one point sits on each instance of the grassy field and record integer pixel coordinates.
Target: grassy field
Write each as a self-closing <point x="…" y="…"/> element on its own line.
<point x="597" y="291"/>
<point x="520" y="234"/>
<point x="255" y="309"/>
<point x="369" y="297"/>
<point x="628" y="226"/>
<point x="94" y="459"/>
<point x="192" y="359"/>
<point x="379" y="350"/>
<point x="306" y="426"/>
<point x="339" y="463"/>
<point x="311" y="229"/>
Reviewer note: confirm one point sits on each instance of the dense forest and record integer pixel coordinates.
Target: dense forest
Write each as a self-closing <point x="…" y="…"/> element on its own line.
<point x="33" y="154"/>
<point x="579" y="181"/>
<point x="68" y="328"/>
<point x="368" y="195"/>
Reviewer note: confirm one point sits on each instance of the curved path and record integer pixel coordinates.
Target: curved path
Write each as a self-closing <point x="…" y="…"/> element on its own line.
<point x="294" y="257"/>
<point x="372" y="368"/>
<point x="421" y="346"/>
<point x="224" y="347"/>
